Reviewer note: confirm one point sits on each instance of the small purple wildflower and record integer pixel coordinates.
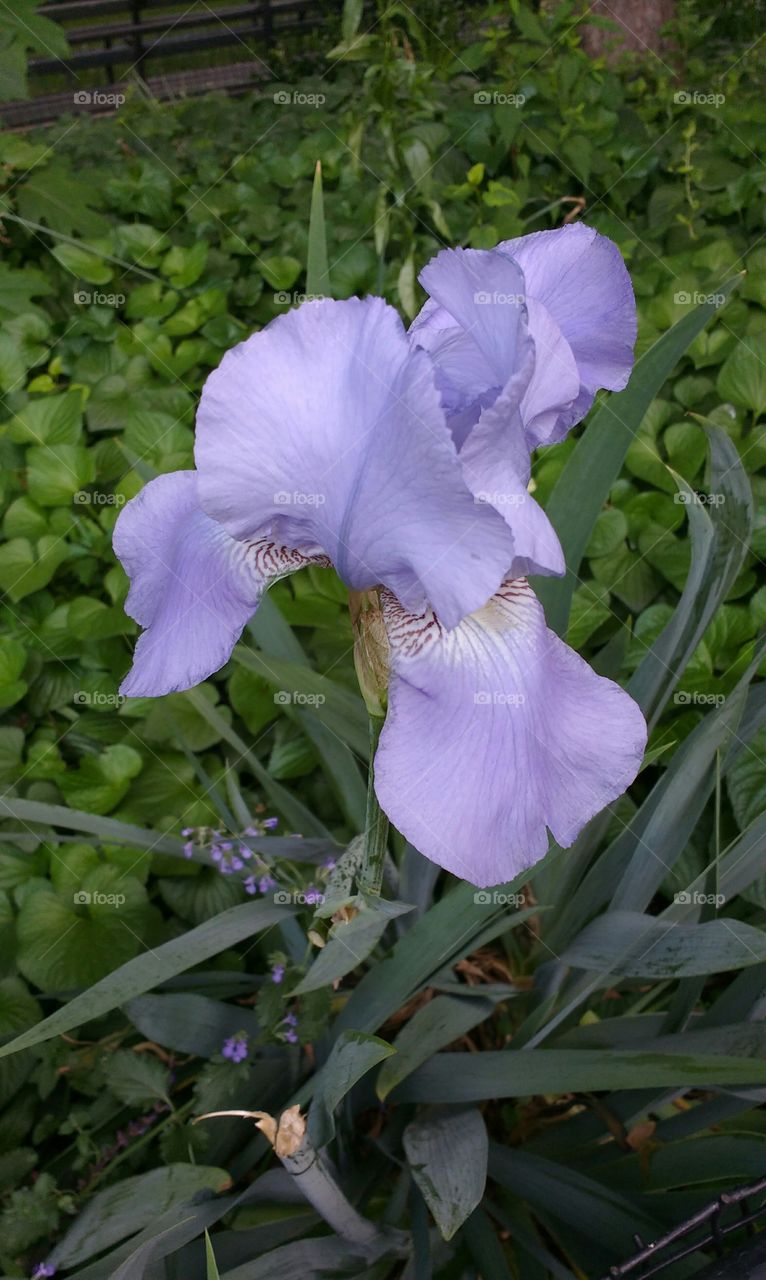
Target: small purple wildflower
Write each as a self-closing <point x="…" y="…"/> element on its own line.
<point x="43" y="1269"/>
<point x="277" y="973"/>
<point x="266" y="884"/>
<point x="312" y="896"/>
<point x="250" y="886"/>
<point x="291" y="1037"/>
<point x="270" y="823"/>
<point x="235" y="1048"/>
<point x="328" y="864"/>
<point x="189" y="849"/>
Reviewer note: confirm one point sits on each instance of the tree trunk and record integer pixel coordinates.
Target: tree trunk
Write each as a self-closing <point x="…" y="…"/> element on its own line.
<point x="639" y="23"/>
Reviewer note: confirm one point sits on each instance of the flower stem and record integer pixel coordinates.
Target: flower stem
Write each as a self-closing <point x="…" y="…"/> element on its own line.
<point x="376" y="824"/>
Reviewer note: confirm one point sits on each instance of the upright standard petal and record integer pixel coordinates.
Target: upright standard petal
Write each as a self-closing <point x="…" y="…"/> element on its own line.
<point x="193" y="587"/>
<point x="496" y="733"/>
<point x="581" y="317"/>
<point x="579" y="278"/>
<point x="326" y="428"/>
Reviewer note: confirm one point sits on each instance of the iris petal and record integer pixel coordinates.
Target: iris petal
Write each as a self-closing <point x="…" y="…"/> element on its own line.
<point x="580" y="314"/>
<point x="193" y="587"/>
<point x="580" y="279"/>
<point x="496" y="733"/>
<point x="484" y="292"/>
<point x="327" y="429"/>
<point x="496" y="465"/>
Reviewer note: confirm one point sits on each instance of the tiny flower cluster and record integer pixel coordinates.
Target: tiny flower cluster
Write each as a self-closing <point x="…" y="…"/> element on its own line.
<point x="236" y="1047"/>
<point x="230" y="854"/>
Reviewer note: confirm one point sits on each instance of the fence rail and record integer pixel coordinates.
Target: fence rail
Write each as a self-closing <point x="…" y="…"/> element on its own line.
<point x="129" y="38"/>
<point x="139" y="33"/>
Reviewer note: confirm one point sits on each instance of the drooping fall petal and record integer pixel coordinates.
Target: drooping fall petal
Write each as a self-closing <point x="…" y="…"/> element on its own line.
<point x="497" y="733"/>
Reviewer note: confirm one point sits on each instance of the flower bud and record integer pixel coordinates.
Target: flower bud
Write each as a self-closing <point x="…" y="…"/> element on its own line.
<point x="371" y="651"/>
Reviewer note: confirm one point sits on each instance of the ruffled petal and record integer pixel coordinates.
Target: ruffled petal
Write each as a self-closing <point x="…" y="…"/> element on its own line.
<point x="327" y="429"/>
<point x="193" y="587"/>
<point x="580" y="279"/>
<point x="581" y="317"/>
<point x="496" y="733"/>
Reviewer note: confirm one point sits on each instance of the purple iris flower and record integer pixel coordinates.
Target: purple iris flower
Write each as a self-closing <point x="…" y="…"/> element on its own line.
<point x="332" y="437"/>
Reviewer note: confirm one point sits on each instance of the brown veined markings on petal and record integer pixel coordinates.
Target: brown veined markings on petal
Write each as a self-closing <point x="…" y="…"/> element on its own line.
<point x="408" y="633"/>
<point x="274" y="561"/>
